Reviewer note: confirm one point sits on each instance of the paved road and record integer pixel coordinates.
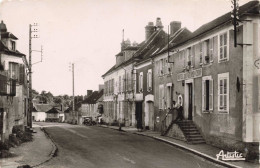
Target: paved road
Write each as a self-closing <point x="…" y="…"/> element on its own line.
<point x="98" y="147"/>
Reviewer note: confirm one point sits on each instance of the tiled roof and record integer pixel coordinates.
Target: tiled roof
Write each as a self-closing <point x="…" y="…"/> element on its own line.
<point x="145" y="49"/>
<point x="4" y="49"/>
<point x="53" y="110"/>
<point x="93" y="98"/>
<point x="42" y="107"/>
<point x="8" y="35"/>
<point x="251" y="7"/>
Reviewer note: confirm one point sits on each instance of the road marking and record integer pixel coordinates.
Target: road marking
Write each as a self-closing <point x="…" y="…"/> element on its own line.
<point x="75" y="132"/>
<point x="126" y="159"/>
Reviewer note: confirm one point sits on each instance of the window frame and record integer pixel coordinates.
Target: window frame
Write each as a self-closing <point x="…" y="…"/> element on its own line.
<point x="223" y="76"/>
<point x="140" y="86"/>
<point x="224" y="59"/>
<point x="211" y="93"/>
<point x="149" y="80"/>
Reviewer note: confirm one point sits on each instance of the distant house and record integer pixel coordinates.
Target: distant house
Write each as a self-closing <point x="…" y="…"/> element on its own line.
<point x="39" y="111"/>
<point x="53" y="115"/>
<point x="89" y="107"/>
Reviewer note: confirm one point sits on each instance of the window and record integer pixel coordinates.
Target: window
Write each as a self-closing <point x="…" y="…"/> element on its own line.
<point x="123" y="83"/>
<point x="161" y="67"/>
<point x="14" y="70"/>
<point x="119" y="84"/>
<point x="141" y="82"/>
<point x="206" y="52"/>
<point x="207" y="93"/>
<point x="223" y="47"/>
<point x="168" y="95"/>
<point x="188" y="56"/>
<point x="13" y="45"/>
<point x="223" y="92"/>
<point x="201" y="52"/>
<point x="161" y="96"/>
<point x="149" y="80"/>
<point x="192" y="55"/>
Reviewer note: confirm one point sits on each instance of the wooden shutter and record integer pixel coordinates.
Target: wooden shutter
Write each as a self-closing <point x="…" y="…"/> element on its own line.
<point x="211" y="94"/>
<point x="203" y="95"/>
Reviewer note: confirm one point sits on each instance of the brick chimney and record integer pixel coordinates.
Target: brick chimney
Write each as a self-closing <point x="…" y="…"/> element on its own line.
<point x="3" y="27"/>
<point x="159" y="23"/>
<point x="174" y="27"/>
<point x="89" y="92"/>
<point x="149" y="29"/>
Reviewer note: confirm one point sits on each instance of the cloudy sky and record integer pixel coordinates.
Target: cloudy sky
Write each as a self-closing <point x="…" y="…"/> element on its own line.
<point x="89" y="32"/>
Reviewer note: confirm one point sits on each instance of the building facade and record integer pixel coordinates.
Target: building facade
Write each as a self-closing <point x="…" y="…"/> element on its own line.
<point x="216" y="83"/>
<point x="14" y="84"/>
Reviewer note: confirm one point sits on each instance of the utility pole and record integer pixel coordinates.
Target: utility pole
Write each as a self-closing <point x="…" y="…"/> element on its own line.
<point x="73" y="96"/>
<point x="30" y="104"/>
<point x="234" y="15"/>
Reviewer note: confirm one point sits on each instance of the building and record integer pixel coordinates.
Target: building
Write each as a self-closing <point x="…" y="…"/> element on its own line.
<point x="13" y="84"/>
<point x="216" y="83"/>
<point x="89" y="106"/>
<point x="39" y="111"/>
<point x="118" y="90"/>
<point x="128" y="97"/>
<point x="53" y="115"/>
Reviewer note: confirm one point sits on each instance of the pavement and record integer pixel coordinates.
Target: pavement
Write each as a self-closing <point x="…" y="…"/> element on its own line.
<point x="205" y="151"/>
<point x="33" y="153"/>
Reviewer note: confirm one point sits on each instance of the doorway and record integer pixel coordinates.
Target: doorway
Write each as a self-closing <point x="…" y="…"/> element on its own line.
<point x="189" y="100"/>
<point x="138" y="114"/>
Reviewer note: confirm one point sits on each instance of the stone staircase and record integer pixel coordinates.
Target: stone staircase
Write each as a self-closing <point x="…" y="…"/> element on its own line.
<point x="190" y="132"/>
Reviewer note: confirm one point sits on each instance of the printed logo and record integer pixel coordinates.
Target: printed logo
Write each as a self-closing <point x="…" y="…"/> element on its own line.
<point x="230" y="156"/>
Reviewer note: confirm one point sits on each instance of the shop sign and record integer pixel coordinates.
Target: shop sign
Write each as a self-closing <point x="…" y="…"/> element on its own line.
<point x="189" y="75"/>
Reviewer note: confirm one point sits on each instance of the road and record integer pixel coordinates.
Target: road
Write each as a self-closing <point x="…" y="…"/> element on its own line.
<point x="98" y="147"/>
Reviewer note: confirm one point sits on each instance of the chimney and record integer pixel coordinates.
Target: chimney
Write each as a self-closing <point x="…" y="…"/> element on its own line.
<point x="89" y="92"/>
<point x="3" y="27"/>
<point x="159" y="23"/>
<point x="100" y="87"/>
<point x="175" y="26"/>
<point x="149" y="29"/>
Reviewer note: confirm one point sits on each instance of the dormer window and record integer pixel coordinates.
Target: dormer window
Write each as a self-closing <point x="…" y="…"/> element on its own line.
<point x="13" y="45"/>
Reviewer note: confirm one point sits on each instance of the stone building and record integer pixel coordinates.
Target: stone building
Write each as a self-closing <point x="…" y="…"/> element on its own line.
<point x="216" y="83"/>
<point x="13" y="84"/>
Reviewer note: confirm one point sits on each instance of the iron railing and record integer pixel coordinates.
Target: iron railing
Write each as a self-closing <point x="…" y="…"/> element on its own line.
<point x="168" y="120"/>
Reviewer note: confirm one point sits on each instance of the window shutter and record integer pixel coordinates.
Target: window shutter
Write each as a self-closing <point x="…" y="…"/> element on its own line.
<point x="147" y="81"/>
<point x="21" y="74"/>
<point x="193" y="55"/>
<point x="211" y="94"/>
<point x="160" y="97"/>
<point x="203" y="95"/>
<point x="150" y="80"/>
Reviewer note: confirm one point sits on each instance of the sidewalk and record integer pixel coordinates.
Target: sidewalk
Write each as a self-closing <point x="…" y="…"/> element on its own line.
<point x="203" y="150"/>
<point x="32" y="153"/>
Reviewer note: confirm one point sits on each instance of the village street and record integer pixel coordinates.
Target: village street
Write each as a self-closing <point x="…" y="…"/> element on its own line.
<point x="93" y="146"/>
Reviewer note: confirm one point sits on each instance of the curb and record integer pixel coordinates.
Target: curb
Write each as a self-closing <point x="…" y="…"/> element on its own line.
<point x="192" y="151"/>
<point x="219" y="162"/>
<point x="54" y="148"/>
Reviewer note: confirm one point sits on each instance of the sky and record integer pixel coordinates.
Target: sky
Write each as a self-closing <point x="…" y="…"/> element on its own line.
<point x="88" y="33"/>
